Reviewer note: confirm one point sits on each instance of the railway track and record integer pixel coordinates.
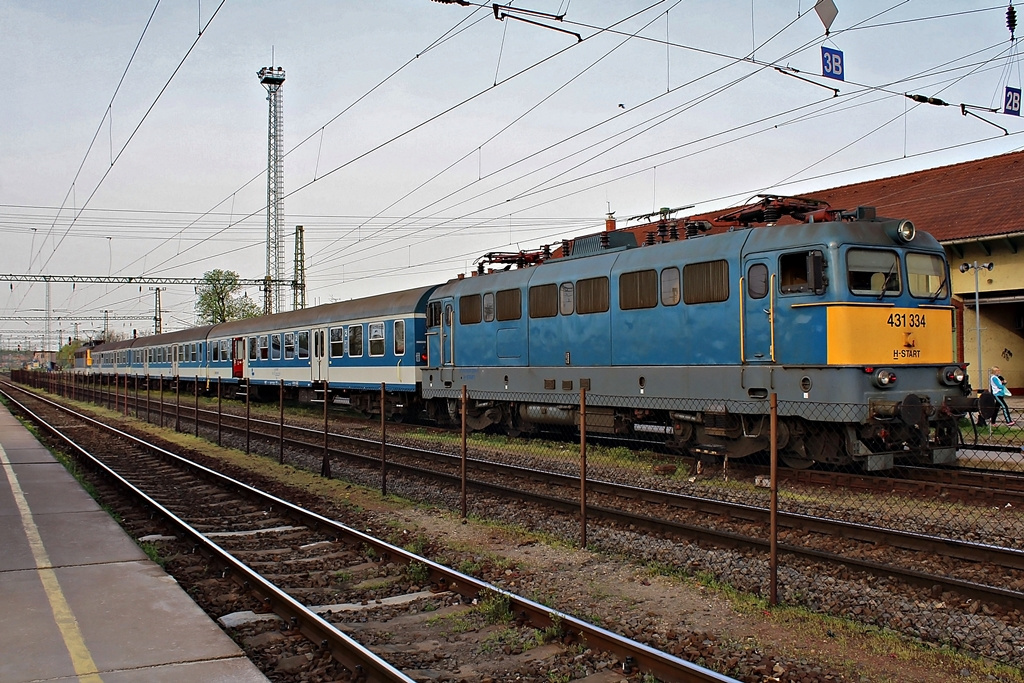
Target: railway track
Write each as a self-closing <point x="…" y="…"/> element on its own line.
<point x="330" y="582"/>
<point x="973" y="570"/>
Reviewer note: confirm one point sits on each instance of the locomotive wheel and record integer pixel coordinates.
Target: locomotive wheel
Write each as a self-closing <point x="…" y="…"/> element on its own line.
<point x="795" y="462"/>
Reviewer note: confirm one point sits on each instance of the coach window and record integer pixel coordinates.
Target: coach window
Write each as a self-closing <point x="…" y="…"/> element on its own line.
<point x="592" y="295"/>
<point x="706" y="282"/>
<point x="543" y="301"/>
<point x="670" y="286"/>
<point x="399" y="338"/>
<point x="376" y="337"/>
<point x="566" y="298"/>
<point x="254" y="349"/>
<point x="873" y="272"/>
<point x="275" y="347"/>
<point x="926" y="276"/>
<point x="510" y="304"/>
<point x="355" y="340"/>
<point x="638" y="290"/>
<point x="469" y="311"/>
<point x="757" y="281"/>
<point x="289" y="345"/>
<point x="303" y="339"/>
<point x="225" y="349"/>
<point x="489" y="307"/>
<point x="337" y="342"/>
<point x="264" y="347"/>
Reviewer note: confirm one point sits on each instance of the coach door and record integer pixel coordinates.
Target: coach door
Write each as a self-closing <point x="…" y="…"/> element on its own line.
<point x="318" y="361"/>
<point x="238" y="357"/>
<point x="757" y="317"/>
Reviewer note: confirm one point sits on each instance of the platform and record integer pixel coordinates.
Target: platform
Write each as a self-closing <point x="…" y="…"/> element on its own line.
<point x="80" y="600"/>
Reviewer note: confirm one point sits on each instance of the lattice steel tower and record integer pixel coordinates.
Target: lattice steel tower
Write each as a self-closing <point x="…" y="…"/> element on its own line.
<point x="272" y="78"/>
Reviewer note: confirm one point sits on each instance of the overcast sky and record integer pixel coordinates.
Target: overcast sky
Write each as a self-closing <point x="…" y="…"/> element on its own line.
<point x="422" y="135"/>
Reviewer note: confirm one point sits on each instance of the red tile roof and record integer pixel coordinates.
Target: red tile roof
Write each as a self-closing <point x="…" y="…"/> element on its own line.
<point x="969" y="200"/>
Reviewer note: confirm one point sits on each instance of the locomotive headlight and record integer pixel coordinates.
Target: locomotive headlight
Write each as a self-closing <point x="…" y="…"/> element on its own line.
<point x="884" y="378"/>
<point x="902" y="232"/>
<point x="953" y="375"/>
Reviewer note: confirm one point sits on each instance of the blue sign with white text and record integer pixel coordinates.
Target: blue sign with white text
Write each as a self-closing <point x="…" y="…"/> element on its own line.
<point x="832" y="63"/>
<point x="1011" y="101"/>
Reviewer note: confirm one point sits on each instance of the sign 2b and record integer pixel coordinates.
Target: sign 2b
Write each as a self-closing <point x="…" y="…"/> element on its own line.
<point x="1011" y="101"/>
<point x="832" y="64"/>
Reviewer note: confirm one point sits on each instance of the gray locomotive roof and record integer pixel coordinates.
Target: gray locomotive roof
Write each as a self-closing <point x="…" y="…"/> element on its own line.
<point x="378" y="306"/>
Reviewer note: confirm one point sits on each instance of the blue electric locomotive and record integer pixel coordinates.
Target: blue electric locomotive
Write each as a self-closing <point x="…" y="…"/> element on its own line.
<point x="848" y="321"/>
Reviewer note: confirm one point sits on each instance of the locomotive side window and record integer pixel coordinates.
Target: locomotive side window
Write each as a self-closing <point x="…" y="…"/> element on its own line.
<point x="543" y="301"/>
<point x="706" y="282"/>
<point x="873" y="272"/>
<point x="469" y="309"/>
<point x="926" y="276"/>
<point x="489" y="307"/>
<point x="434" y="314"/>
<point x="638" y="290"/>
<point x="592" y="295"/>
<point x="802" y="271"/>
<point x="355" y="340"/>
<point x="337" y="342"/>
<point x="670" y="286"/>
<point x="376" y="335"/>
<point x="757" y="281"/>
<point x="510" y="304"/>
<point x="566" y="298"/>
<point x="303" y="339"/>
<point x="399" y="338"/>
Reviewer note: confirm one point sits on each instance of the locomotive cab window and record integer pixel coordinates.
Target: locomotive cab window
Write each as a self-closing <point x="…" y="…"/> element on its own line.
<point x="376" y="336"/>
<point x="802" y="271"/>
<point x="434" y="314"/>
<point x="872" y="272"/>
<point x="926" y="276"/>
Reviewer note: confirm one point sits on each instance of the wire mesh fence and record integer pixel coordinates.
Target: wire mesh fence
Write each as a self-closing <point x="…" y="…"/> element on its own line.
<point x="919" y="470"/>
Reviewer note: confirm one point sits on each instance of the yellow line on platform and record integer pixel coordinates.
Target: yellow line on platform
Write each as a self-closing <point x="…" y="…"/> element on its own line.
<point x="85" y="667"/>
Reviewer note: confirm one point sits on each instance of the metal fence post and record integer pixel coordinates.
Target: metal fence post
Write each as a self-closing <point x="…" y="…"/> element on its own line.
<point x="462" y="470"/>
<point x="383" y="442"/>
<point x="177" y="403"/>
<point x="195" y="388"/>
<point x="219" y="399"/>
<point x="325" y="466"/>
<point x="583" y="467"/>
<point x="160" y="401"/>
<point x="773" y="560"/>
<point x="280" y="433"/>
<point x="247" y="434"/>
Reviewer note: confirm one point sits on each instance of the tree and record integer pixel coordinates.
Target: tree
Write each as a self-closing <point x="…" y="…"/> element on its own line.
<point x="218" y="299"/>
